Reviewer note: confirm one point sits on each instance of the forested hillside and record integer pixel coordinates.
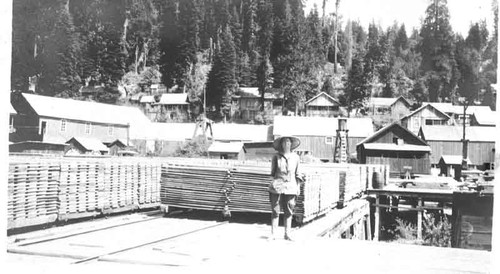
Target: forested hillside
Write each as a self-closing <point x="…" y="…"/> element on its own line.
<point x="219" y="45"/>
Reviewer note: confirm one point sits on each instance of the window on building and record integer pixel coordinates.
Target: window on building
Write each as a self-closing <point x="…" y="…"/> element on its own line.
<point x="63" y="125"/>
<point x="111" y="130"/>
<point x="88" y="128"/>
<point x="329" y="140"/>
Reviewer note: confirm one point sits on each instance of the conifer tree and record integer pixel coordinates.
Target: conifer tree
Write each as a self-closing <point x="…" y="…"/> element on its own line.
<point x="438" y="62"/>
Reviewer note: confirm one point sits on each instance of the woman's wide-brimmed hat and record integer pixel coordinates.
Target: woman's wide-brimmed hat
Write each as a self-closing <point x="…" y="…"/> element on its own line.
<point x="295" y="142"/>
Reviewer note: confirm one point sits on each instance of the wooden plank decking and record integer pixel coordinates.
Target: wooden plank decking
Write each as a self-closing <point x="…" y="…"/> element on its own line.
<point x="205" y="244"/>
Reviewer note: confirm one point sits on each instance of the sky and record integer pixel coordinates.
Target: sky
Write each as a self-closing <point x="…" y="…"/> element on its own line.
<point x="409" y="12"/>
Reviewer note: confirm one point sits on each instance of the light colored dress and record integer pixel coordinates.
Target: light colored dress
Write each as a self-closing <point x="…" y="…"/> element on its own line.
<point x="284" y="171"/>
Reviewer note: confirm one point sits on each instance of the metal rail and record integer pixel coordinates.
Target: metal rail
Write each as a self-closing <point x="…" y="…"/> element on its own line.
<point x="148" y="243"/>
<point x="89" y="231"/>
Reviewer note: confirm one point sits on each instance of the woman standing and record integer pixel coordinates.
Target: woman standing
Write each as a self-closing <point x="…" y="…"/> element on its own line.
<point x="285" y="185"/>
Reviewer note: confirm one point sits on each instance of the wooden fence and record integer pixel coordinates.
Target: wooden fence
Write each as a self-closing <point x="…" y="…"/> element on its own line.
<point x="46" y="190"/>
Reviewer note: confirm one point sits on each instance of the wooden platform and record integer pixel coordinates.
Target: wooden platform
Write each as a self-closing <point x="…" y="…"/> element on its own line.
<point x="200" y="243"/>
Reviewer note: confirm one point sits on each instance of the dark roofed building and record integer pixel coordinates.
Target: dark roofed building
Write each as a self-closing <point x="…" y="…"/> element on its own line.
<point x="397" y="147"/>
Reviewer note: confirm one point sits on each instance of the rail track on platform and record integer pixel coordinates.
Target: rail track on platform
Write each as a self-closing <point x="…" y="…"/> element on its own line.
<point x="38" y="245"/>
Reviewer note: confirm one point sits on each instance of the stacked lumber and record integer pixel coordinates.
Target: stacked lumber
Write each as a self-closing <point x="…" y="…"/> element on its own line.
<point x="319" y="194"/>
<point x="79" y="189"/>
<point x="148" y="188"/>
<point x="250" y="189"/>
<point x="120" y="186"/>
<point x="32" y="194"/>
<point x="194" y="187"/>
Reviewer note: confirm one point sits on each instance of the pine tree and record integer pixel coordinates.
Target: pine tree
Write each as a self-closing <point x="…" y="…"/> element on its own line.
<point x="438" y="63"/>
<point x="25" y="42"/>
<point x="357" y="84"/>
<point x="60" y="50"/>
<point x="140" y="34"/>
<point x="222" y="77"/>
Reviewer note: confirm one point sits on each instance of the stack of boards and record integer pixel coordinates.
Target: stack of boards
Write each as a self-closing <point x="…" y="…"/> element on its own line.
<point x="243" y="188"/>
<point x="32" y="194"/>
<point x="46" y="190"/>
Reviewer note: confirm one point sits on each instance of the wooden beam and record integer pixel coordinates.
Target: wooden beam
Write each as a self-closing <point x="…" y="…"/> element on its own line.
<point x="419" y="219"/>
<point x="417" y="208"/>
<point x="368" y="225"/>
<point x="377" y="219"/>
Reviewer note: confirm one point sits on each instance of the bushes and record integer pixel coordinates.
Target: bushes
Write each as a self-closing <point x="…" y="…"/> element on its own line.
<point x="436" y="231"/>
<point x="198" y="147"/>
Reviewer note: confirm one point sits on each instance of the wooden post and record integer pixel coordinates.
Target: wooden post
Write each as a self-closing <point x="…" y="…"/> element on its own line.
<point x="420" y="213"/>
<point x="377" y="219"/>
<point x="368" y="227"/>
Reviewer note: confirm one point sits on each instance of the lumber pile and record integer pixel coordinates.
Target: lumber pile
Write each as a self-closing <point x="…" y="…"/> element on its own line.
<point x="148" y="188"/>
<point x="197" y="187"/>
<point x="32" y="194"/>
<point x="79" y="184"/>
<point x="45" y="190"/>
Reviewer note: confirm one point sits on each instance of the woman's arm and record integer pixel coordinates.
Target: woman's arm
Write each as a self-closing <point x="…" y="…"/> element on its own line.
<point x="274" y="165"/>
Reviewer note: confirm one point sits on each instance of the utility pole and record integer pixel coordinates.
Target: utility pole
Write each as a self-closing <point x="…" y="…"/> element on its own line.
<point x="465" y="142"/>
<point x="335" y="31"/>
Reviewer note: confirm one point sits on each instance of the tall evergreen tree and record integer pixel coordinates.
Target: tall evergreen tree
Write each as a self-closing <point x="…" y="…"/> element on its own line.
<point x="25" y="42"/>
<point x="438" y="63"/>
<point x="357" y="87"/>
<point x="222" y="83"/>
<point x="60" y="50"/>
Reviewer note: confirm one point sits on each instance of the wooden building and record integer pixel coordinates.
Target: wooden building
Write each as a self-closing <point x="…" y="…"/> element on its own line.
<point x="232" y="151"/>
<point x="451" y="165"/>
<point x="259" y="151"/>
<point x="116" y="146"/>
<point x="447" y="140"/>
<point x="148" y="105"/>
<point x="173" y="107"/>
<point x="396" y="108"/>
<point x="36" y="147"/>
<point x="318" y="134"/>
<point x="397" y="147"/>
<point x="88" y="146"/>
<point x="484" y="117"/>
<point x="56" y="120"/>
<point x="246" y="104"/>
<point x="163" y="139"/>
<point x="426" y="115"/>
<point x="322" y="105"/>
<point x="474" y="115"/>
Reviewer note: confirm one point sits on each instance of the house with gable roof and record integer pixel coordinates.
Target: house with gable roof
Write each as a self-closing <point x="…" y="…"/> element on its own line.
<point x="396" y="107"/>
<point x="246" y="104"/>
<point x="398" y="147"/>
<point x="426" y="115"/>
<point x="474" y="115"/>
<point x="56" y="120"/>
<point x="322" y="105"/>
<point x="173" y="107"/>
